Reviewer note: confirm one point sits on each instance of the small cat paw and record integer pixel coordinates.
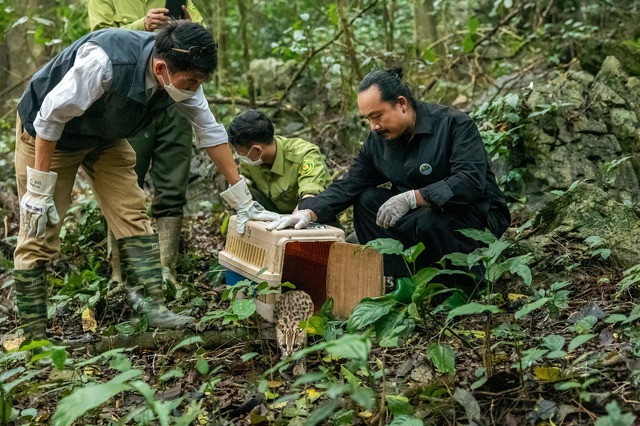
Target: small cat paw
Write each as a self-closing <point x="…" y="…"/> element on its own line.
<point x="299" y="370"/>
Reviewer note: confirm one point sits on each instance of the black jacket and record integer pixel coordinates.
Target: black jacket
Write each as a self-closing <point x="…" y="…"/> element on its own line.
<point x="445" y="159"/>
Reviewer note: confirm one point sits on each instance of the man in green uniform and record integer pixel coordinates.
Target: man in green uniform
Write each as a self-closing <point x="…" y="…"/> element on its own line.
<point x="283" y="170"/>
<point x="164" y="147"/>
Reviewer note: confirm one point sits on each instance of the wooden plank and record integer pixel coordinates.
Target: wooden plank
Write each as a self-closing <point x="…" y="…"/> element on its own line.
<point x="352" y="275"/>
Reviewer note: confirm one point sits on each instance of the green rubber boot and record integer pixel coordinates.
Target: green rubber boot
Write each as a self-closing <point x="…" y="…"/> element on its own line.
<point x="169" y="234"/>
<point x="140" y="258"/>
<point x="31" y="295"/>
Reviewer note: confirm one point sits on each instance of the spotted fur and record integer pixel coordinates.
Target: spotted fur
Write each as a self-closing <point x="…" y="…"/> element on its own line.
<point x="292" y="308"/>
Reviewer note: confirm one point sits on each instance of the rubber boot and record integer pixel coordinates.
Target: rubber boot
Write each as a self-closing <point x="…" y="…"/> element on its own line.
<point x="31" y="295"/>
<point x="140" y="258"/>
<point x="114" y="257"/>
<point x="169" y="234"/>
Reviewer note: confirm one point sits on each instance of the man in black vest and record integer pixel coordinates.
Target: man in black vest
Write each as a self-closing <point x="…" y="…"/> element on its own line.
<point x="76" y="112"/>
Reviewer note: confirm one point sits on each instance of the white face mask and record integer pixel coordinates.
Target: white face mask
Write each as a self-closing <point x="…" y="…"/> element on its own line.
<point x="244" y="159"/>
<point x="178" y="95"/>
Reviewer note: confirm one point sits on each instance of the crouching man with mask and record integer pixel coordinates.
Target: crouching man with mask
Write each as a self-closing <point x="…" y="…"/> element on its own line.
<point x="76" y="113"/>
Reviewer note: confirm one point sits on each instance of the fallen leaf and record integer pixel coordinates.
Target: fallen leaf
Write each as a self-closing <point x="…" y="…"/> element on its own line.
<point x="313" y="394"/>
<point x="516" y="296"/>
<point x="548" y="374"/>
<point x="89" y="322"/>
<point x="13" y="344"/>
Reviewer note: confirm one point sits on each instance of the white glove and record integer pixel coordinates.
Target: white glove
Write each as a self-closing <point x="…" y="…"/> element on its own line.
<point x="298" y="220"/>
<point x="396" y="207"/>
<point x="239" y="198"/>
<point x="37" y="206"/>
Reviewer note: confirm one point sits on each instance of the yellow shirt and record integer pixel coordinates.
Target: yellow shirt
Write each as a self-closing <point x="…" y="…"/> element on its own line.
<point x="128" y="14"/>
<point x="298" y="169"/>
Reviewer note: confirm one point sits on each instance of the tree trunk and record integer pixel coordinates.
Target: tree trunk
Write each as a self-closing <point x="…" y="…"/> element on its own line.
<point x="343" y="7"/>
<point x="246" y="55"/>
<point x="387" y="16"/>
<point x="425" y="28"/>
<point x="20" y="55"/>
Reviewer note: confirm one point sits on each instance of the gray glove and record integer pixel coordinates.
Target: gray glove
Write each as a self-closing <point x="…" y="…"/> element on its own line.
<point x="298" y="220"/>
<point x="396" y="207"/>
<point x="239" y="198"/>
<point x="37" y="206"/>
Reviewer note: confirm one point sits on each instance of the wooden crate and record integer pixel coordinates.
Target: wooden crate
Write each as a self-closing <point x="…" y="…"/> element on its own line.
<point x="352" y="275"/>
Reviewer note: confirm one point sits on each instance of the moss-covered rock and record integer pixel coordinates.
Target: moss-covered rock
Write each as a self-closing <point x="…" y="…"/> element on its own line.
<point x="584" y="211"/>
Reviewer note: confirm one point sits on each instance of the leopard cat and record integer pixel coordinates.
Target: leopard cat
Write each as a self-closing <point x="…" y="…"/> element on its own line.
<point x="290" y="310"/>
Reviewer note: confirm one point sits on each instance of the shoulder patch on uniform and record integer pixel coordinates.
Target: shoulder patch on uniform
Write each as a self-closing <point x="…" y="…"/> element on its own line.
<point x="306" y="167"/>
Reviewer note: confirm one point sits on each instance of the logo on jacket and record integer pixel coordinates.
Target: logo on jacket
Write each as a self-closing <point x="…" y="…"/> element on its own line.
<point x="306" y="167"/>
<point x="425" y="169"/>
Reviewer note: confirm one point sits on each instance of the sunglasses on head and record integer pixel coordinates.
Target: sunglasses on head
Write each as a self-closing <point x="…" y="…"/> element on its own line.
<point x="196" y="52"/>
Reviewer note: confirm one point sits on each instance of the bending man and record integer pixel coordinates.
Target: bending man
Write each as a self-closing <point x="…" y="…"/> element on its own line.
<point x="76" y="112"/>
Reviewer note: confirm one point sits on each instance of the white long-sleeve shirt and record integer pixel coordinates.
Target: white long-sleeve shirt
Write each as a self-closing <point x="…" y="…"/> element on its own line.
<point x="91" y="76"/>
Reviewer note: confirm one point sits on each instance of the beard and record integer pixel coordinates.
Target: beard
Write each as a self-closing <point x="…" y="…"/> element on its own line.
<point x="400" y="142"/>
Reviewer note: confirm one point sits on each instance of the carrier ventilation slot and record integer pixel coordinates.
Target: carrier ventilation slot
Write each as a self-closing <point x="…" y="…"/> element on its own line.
<point x="246" y="251"/>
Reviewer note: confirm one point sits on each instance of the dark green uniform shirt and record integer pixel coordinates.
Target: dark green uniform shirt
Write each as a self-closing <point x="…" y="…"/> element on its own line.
<point x="298" y="170"/>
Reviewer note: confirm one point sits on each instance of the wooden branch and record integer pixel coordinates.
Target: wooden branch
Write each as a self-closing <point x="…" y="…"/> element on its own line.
<point x="310" y="56"/>
<point x="168" y="339"/>
<point x="264" y="104"/>
<point x="515" y="11"/>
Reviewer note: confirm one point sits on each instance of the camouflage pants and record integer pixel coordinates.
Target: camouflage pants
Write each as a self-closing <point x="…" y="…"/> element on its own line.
<point x="109" y="169"/>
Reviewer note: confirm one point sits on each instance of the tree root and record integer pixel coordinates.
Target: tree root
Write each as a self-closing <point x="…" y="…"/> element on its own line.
<point x="167" y="339"/>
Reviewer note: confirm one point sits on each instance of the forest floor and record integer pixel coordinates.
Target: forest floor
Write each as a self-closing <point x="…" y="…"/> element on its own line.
<point x="563" y="360"/>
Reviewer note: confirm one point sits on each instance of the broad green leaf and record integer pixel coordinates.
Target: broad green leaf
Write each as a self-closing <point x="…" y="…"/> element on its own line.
<point x="566" y="386"/>
<point x="5" y="411"/>
<point x="120" y="362"/>
<point x="246" y="357"/>
<point x="512" y="100"/>
<point x="243" y="308"/>
<point x="399" y="405"/>
<point x="316" y="325"/>
<point x="322" y="413"/>
<point x="615" y="417"/>
<point x="442" y="357"/>
<point x="202" y="365"/>
<point x="530" y="307"/>
<point x="87" y="398"/>
<point x="412" y="253"/>
<point x="468" y="44"/>
<point x="556" y="354"/>
<point x="58" y="356"/>
<point x="368" y="311"/>
<point x="405" y="420"/>
<point x="392" y="326"/>
<point x="471" y="309"/>
<point x="386" y="246"/>
<point x="351" y="347"/>
<point x="553" y="342"/>
<point x="530" y="356"/>
<point x="327" y="308"/>
<point x="425" y="289"/>
<point x="172" y="374"/>
<point x="8" y="387"/>
<point x="4" y="376"/>
<point x="579" y="340"/>
<point x="365" y="397"/>
<point x="484" y="235"/>
<point x="186" y="342"/>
